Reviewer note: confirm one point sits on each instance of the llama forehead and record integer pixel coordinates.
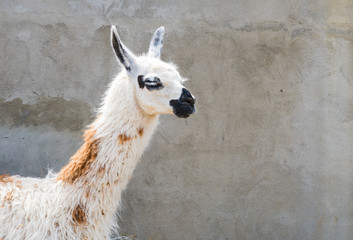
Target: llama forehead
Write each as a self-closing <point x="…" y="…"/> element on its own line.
<point x="163" y="70"/>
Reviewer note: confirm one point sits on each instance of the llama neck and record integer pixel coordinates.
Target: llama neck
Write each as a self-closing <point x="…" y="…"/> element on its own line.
<point x="113" y="145"/>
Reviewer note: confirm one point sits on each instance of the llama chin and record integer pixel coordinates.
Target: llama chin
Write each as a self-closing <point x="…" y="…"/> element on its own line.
<point x="80" y="201"/>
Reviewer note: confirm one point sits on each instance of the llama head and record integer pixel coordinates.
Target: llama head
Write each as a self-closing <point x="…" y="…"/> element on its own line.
<point x="158" y="85"/>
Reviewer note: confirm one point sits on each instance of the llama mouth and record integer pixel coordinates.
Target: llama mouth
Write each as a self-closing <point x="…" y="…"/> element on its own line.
<point x="182" y="110"/>
<point x="184" y="106"/>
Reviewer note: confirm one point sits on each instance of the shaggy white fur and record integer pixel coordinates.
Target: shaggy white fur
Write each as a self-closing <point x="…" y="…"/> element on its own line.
<point x="80" y="201"/>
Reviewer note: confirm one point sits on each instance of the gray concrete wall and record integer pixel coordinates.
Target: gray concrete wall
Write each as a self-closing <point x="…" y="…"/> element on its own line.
<point x="269" y="154"/>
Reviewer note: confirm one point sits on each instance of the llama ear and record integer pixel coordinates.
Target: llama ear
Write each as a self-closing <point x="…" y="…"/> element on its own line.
<point x="156" y="43"/>
<point x="125" y="56"/>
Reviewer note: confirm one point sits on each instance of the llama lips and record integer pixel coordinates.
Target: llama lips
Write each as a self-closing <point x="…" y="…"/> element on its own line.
<point x="182" y="109"/>
<point x="184" y="106"/>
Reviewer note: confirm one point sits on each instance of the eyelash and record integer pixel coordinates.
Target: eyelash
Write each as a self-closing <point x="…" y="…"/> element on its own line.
<point x="155" y="84"/>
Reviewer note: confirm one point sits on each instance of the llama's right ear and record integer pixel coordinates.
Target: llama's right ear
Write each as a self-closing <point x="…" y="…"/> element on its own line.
<point x="125" y="56"/>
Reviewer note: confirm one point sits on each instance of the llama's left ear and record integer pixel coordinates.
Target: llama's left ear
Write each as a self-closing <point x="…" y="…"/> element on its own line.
<point x="126" y="57"/>
<point x="156" y="43"/>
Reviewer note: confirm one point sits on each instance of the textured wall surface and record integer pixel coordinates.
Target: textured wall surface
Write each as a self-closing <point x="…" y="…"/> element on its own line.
<point x="269" y="154"/>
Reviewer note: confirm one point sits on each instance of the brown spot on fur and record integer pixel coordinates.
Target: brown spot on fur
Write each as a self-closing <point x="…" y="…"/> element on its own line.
<point x="124" y="138"/>
<point x="81" y="162"/>
<point x="103" y="212"/>
<point x="101" y="171"/>
<point x="18" y="184"/>
<point x="140" y="130"/>
<point x="79" y="216"/>
<point x="88" y="192"/>
<point x="4" y="178"/>
<point x="8" y="198"/>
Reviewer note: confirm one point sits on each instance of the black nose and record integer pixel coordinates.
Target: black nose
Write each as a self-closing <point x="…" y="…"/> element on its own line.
<point x="186" y="97"/>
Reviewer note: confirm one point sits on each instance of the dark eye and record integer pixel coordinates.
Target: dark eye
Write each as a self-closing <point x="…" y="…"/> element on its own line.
<point x="151" y="84"/>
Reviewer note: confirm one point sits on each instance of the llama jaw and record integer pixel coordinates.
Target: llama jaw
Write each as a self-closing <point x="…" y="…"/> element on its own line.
<point x="184" y="106"/>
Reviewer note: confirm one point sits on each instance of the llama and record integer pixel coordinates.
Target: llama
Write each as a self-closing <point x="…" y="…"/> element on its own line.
<point x="80" y="201"/>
